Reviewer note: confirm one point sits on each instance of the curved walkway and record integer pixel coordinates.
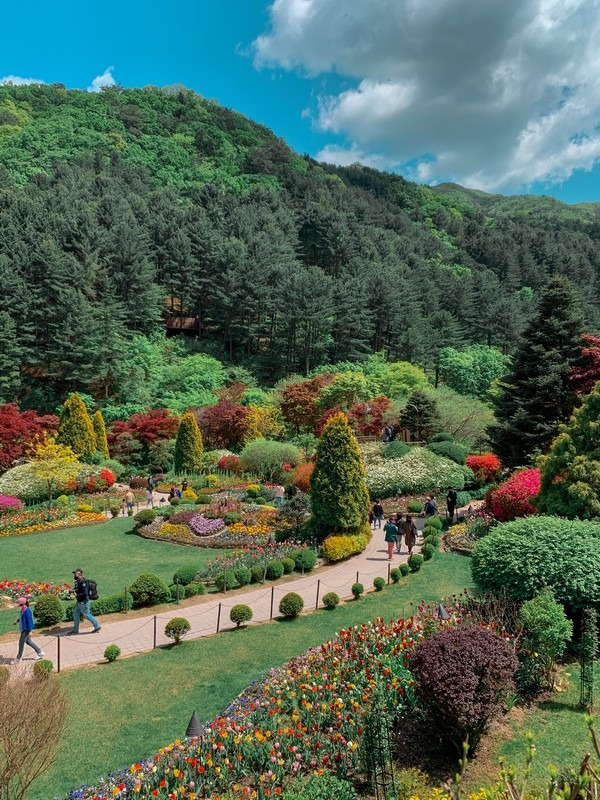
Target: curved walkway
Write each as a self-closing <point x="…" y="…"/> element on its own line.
<point x="208" y="614"/>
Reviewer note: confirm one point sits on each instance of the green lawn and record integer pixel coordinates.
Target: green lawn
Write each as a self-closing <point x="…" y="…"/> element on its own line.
<point x="134" y="706"/>
<point x="110" y="553"/>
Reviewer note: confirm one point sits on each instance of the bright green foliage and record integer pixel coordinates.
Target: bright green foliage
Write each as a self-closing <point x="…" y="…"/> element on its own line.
<point x="331" y="600"/>
<point x="339" y="496"/>
<point x="415" y="562"/>
<point x="473" y="370"/>
<point x="321" y="787"/>
<point x="266" y="458"/>
<point x="357" y="589"/>
<point x="536" y="396"/>
<point x="395" y="449"/>
<point x="523" y="557"/>
<point x="571" y="471"/>
<point x="185" y="574"/>
<point x="290" y="605"/>
<point x="148" y="590"/>
<point x="347" y="389"/>
<point x="420" y="415"/>
<point x="240" y="613"/>
<point x="75" y="428"/>
<point x="274" y="570"/>
<point x="100" y="434"/>
<point x="395" y="574"/>
<point x="379" y="583"/>
<point x="48" y="611"/>
<point x="546" y="632"/>
<point x="112" y="652"/>
<point x="465" y="418"/>
<point x="188" y="447"/>
<point x="177" y="628"/>
<point x="455" y="452"/>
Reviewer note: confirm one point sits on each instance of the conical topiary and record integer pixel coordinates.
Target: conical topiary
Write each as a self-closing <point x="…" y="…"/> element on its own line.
<point x="75" y="428"/>
<point x="100" y="433"/>
<point x="339" y="495"/>
<point x="188" y="447"/>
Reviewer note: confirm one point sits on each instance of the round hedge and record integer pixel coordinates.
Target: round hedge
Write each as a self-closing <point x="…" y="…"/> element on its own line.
<point x="357" y="590"/>
<point x="274" y="570"/>
<point x="395" y="574"/>
<point x="523" y="557"/>
<point x="330" y="600"/>
<point x="177" y="628"/>
<point x="112" y="652"/>
<point x="48" y="611"/>
<point x="240" y="614"/>
<point x="396" y="450"/>
<point x="415" y="562"/>
<point x="148" y="590"/>
<point x="258" y="573"/>
<point x="225" y="581"/>
<point x="185" y="574"/>
<point x="304" y="559"/>
<point x="290" y="605"/>
<point x="243" y="575"/>
<point x="455" y="452"/>
<point x="379" y="584"/>
<point x="288" y="565"/>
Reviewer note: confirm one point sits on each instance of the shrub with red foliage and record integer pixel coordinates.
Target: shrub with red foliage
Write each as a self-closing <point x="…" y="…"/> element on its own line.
<point x="223" y="425"/>
<point x="230" y="464"/>
<point x="486" y="467"/>
<point x="462" y="676"/>
<point x="322" y="421"/>
<point x="583" y="377"/>
<point x="366" y="419"/>
<point x="301" y="476"/>
<point x="514" y="497"/>
<point x="299" y="402"/>
<point x="146" y="428"/>
<point x="18" y="430"/>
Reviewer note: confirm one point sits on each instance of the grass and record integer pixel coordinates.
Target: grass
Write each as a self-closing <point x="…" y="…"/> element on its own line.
<point x="130" y="708"/>
<point x="110" y="553"/>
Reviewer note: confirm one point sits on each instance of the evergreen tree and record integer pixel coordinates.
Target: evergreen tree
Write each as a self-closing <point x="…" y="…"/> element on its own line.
<point x="420" y="415"/>
<point x="188" y="447"/>
<point x="100" y="434"/>
<point x="571" y="470"/>
<point x="339" y="495"/>
<point x="10" y="359"/>
<point x="75" y="429"/>
<point x="537" y="395"/>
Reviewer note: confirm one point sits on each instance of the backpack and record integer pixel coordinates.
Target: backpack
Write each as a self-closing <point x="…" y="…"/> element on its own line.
<point x="92" y="589"/>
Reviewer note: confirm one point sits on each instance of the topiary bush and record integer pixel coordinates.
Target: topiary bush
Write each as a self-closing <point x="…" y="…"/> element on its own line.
<point x="291" y="605"/>
<point x="274" y="570"/>
<point x="145" y="517"/>
<point x="48" y="611"/>
<point x="107" y="604"/>
<point x="203" y="500"/>
<point x="192" y="589"/>
<point x="149" y="590"/>
<point x="442" y="436"/>
<point x="225" y="581"/>
<point x="434" y="522"/>
<point x="395" y="450"/>
<point x="404" y="570"/>
<point x="243" y="575"/>
<point x="177" y="628"/>
<point x="337" y="548"/>
<point x="43" y="668"/>
<point x="357" y="590"/>
<point x="111" y="653"/>
<point x="258" y="573"/>
<point x="185" y="574"/>
<point x="330" y="600"/>
<point x="455" y="452"/>
<point x="379" y="584"/>
<point x="462" y="677"/>
<point x="288" y="565"/>
<point x="415" y="562"/>
<point x="240" y="614"/>
<point x="432" y="540"/>
<point x="546" y="632"/>
<point x="395" y="574"/>
<point x="427" y="551"/>
<point x="414" y="506"/>
<point x="304" y="559"/>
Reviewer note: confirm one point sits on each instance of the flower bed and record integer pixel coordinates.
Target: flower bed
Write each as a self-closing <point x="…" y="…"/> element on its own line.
<point x="417" y="472"/>
<point x="8" y="503"/>
<point x="20" y="588"/>
<point x="249" y="557"/>
<point x="202" y="526"/>
<point x="67" y="520"/>
<point x="249" y="530"/>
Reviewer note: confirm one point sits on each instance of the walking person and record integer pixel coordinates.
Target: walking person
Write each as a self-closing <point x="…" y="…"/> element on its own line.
<point x="399" y="526"/>
<point x="409" y="531"/>
<point x="279" y="494"/>
<point x="451" y="500"/>
<point x="391" y="537"/>
<point x="431" y="507"/>
<point x="150" y="498"/>
<point x="129" y="500"/>
<point x="377" y="514"/>
<point x="82" y="606"/>
<point x="26" y="625"/>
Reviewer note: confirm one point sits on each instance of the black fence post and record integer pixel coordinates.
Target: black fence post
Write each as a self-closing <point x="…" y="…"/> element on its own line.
<point x="154" y="644"/>
<point x="318" y="587"/>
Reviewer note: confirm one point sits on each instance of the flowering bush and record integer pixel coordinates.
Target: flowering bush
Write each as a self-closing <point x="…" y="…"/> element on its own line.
<point x="301" y="477"/>
<point x="513" y="498"/>
<point x="336" y="548"/>
<point x="417" y="472"/>
<point x="10" y="503"/>
<point x="230" y="464"/>
<point x="32" y="590"/>
<point x="485" y="467"/>
<point x="205" y="527"/>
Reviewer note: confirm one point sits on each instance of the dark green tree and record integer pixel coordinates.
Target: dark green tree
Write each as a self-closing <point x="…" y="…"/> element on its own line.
<point x="188" y="446"/>
<point x="420" y="415"/>
<point x="339" y="495"/>
<point x="100" y="434"/>
<point x="75" y="428"/>
<point x="11" y="352"/>
<point x="536" y="396"/>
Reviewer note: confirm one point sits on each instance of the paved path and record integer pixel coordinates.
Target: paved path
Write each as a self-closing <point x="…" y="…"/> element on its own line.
<point x="139" y="634"/>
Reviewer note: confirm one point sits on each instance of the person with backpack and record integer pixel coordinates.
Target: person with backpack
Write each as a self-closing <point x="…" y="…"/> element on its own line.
<point x="25" y="620"/>
<point x="85" y="591"/>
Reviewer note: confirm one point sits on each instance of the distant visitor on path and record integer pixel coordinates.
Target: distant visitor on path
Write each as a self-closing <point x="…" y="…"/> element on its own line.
<point x="409" y="531"/>
<point x="377" y="514"/>
<point x="82" y="606"/>
<point x="129" y="500"/>
<point x="451" y="500"/>
<point x="399" y="526"/>
<point x="150" y="498"/>
<point x="279" y="494"/>
<point x="431" y="507"/>
<point x="150" y="482"/>
<point x="25" y="622"/>
<point x="391" y="537"/>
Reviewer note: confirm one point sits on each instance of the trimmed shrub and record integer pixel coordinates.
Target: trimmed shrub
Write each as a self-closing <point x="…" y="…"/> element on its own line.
<point x="203" y="500"/>
<point x="330" y="600"/>
<point x="149" y="590"/>
<point x="395" y="450"/>
<point x="274" y="570"/>
<point x="48" y="611"/>
<point x="109" y="604"/>
<point x="404" y="570"/>
<point x="201" y="588"/>
<point x="225" y="581"/>
<point x="395" y="575"/>
<point x="75" y="428"/>
<point x="336" y="548"/>
<point x="514" y="498"/>
<point x="191" y="589"/>
<point x="546" y="632"/>
<point x="288" y="565"/>
<point x="174" y="501"/>
<point x="414" y="506"/>
<point x="290" y="605"/>
<point x="462" y="676"/>
<point x="232" y="517"/>
<point x="145" y="517"/>
<point x="379" y="584"/>
<point x="432" y="540"/>
<point x="258" y="573"/>
<point x="260" y="501"/>
<point x="304" y="559"/>
<point x="243" y="575"/>
<point x="428" y="551"/>
<point x="84" y="508"/>
<point x="177" y="628"/>
<point x="455" y="452"/>
<point x="177" y="592"/>
<point x="301" y="477"/>
<point x="415" y="562"/>
<point x="240" y="614"/>
<point x="357" y="590"/>
<point x="111" y="653"/>
<point x="486" y="467"/>
<point x="185" y="574"/>
<point x="434" y="522"/>
<point x="441" y="437"/>
<point x="43" y="668"/>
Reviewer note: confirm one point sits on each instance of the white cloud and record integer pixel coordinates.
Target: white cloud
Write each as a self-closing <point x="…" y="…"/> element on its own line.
<point x="18" y="81"/>
<point x="106" y="79"/>
<point x="495" y="94"/>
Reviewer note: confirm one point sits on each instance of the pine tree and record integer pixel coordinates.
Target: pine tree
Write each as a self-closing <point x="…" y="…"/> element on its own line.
<point x="537" y="394"/>
<point x="188" y="447"/>
<point x="11" y="352"/>
<point x="571" y="470"/>
<point x="420" y="415"/>
<point x="100" y="434"/>
<point x="339" y="495"/>
<point x="75" y="428"/>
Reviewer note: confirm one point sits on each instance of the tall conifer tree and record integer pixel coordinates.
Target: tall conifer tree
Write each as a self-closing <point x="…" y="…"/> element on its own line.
<point x="100" y="433"/>
<point x="75" y="428"/>
<point x="188" y="447"/>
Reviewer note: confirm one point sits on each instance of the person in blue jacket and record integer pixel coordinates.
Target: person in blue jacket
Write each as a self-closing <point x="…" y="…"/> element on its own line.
<point x="26" y="625"/>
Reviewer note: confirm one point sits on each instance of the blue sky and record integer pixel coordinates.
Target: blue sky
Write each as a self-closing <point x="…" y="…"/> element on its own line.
<point x="502" y="95"/>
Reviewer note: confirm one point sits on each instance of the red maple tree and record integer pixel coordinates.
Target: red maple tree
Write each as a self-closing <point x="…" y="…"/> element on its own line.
<point x="18" y="429"/>
<point x="583" y="377"/>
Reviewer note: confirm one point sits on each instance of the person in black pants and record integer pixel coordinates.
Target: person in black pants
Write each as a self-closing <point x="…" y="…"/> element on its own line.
<point x="82" y="606"/>
<point x="451" y="499"/>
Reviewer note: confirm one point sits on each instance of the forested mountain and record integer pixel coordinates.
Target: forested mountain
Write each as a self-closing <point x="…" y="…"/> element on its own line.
<point x="118" y="207"/>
